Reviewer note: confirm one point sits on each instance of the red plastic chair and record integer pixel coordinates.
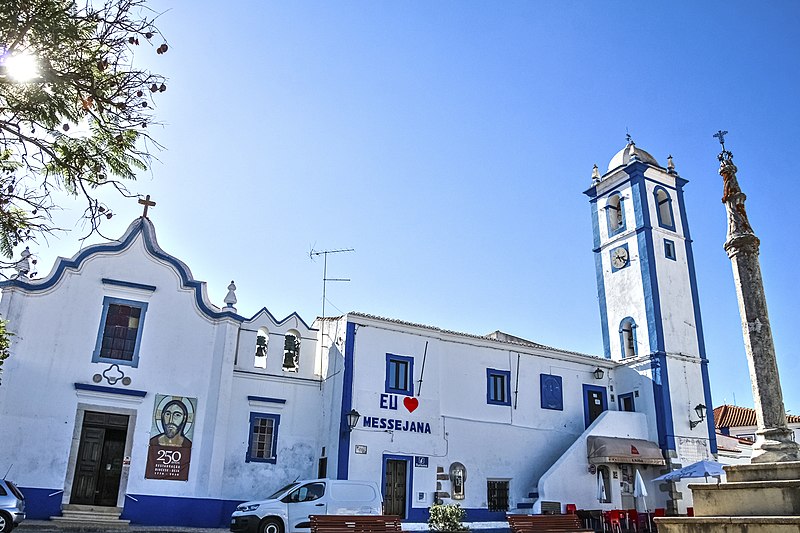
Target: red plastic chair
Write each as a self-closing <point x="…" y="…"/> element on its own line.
<point x="571" y="508"/>
<point x="632" y="519"/>
<point x="613" y="518"/>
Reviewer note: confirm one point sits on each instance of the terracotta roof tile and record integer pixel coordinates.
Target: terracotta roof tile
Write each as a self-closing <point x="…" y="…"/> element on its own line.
<point x="730" y="416"/>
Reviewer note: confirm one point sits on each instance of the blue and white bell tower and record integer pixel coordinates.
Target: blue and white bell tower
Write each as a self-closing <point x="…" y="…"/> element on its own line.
<point x="648" y="297"/>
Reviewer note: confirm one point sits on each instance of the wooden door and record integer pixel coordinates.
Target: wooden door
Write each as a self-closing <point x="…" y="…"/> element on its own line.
<point x="88" y="465"/>
<point x="99" y="464"/>
<point x="394" y="490"/>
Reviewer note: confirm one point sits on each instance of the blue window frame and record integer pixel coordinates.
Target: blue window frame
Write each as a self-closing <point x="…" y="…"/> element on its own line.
<point x="669" y="249"/>
<point x="498" y="383"/>
<point x="262" y="445"/>
<point x="120" y="334"/>
<point x="551" y="392"/>
<point x="615" y="214"/>
<point x="627" y="338"/>
<point x="626" y="402"/>
<point x="399" y="374"/>
<point x="664" y="208"/>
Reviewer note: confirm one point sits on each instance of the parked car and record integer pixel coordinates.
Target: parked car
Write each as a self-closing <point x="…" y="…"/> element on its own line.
<point x="288" y="509"/>
<point x="12" y="506"/>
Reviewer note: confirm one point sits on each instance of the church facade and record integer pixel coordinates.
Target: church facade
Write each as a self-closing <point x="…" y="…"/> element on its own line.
<point x="128" y="389"/>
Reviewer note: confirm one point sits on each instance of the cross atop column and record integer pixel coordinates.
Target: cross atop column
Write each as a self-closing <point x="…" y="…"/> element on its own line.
<point x="146" y="202"/>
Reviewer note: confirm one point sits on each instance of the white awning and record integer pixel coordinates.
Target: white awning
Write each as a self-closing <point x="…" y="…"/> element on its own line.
<point x="619" y="450"/>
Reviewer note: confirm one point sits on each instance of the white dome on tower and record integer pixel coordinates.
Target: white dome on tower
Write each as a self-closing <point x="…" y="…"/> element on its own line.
<point x="629" y="153"/>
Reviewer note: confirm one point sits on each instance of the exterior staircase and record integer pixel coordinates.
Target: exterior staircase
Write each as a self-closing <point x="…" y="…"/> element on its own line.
<point x="89" y="518"/>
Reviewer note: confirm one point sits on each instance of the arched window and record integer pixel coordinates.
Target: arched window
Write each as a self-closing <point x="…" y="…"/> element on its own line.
<point x="291" y="352"/>
<point x="458" y="478"/>
<point x="262" y="340"/>
<point x="615" y="214"/>
<point x="603" y="484"/>
<point x="664" y="208"/>
<point x="627" y="337"/>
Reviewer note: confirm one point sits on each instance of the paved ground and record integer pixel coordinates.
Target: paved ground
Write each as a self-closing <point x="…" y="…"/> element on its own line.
<point x="45" y="526"/>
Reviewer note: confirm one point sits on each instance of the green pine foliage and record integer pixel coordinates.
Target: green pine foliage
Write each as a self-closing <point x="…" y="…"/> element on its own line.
<point x="81" y="122"/>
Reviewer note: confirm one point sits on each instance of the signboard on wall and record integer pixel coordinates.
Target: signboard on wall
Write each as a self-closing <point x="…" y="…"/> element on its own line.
<point x="171" y="433"/>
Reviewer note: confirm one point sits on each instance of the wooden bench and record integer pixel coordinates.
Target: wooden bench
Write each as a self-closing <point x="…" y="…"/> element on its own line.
<point x="354" y="523"/>
<point x="537" y="523"/>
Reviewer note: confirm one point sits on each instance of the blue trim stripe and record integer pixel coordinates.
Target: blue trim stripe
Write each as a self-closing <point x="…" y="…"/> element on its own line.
<point x="145" y="227"/>
<point x="655" y="324"/>
<point x="128" y="284"/>
<point x="343" y="464"/>
<point x="701" y="345"/>
<point x="265" y="399"/>
<point x="598" y="269"/>
<point x="110" y="390"/>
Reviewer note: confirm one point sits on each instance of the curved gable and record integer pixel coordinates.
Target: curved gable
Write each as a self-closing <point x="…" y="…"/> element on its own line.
<point x="139" y="226"/>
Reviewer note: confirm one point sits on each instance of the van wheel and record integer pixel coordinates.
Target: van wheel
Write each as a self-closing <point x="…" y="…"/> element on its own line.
<point x="5" y="523"/>
<point x="270" y="525"/>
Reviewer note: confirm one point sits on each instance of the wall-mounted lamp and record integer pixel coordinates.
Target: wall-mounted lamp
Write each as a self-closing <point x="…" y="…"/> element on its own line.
<point x="352" y="419"/>
<point x="598" y="373"/>
<point x="700" y="409"/>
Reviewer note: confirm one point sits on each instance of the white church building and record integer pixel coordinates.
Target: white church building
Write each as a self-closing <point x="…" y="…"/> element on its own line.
<point x="128" y="389"/>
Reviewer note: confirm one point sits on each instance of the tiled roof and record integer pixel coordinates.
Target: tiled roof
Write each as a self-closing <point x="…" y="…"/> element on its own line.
<point x="731" y="416"/>
<point x="508" y="339"/>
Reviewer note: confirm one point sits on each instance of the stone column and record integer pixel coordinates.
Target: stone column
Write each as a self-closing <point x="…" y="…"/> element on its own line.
<point x="773" y="438"/>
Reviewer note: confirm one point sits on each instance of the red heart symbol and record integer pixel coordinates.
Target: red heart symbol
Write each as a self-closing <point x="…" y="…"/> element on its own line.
<point x="410" y="403"/>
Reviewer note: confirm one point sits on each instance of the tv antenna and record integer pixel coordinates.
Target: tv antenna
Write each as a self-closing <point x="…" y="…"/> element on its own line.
<point x="325" y="279"/>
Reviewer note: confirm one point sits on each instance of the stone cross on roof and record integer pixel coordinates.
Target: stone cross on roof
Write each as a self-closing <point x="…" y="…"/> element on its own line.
<point x="146" y="202"/>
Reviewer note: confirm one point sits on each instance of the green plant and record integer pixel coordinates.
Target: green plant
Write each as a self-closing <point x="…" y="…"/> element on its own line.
<point x="447" y="518"/>
<point x="5" y="344"/>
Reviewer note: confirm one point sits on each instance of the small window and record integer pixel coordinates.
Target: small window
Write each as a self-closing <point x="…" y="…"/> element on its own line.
<point x="120" y="332"/>
<point x="497" y="386"/>
<point x="664" y="209"/>
<point x="552" y="395"/>
<point x="291" y="352"/>
<point x="306" y="493"/>
<point x="263" y="438"/>
<point x="399" y="374"/>
<point x="627" y="333"/>
<point x="669" y="249"/>
<point x="615" y="214"/>
<point x="497" y="494"/>
<point x="262" y="340"/>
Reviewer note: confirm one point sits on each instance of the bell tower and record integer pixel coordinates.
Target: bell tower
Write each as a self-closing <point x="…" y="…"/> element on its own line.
<point x="647" y="291"/>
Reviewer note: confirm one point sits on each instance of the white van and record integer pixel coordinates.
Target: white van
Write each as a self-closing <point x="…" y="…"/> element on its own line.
<point x="288" y="509"/>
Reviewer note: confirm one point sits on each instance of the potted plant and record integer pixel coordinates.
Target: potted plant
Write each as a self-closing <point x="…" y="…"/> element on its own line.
<point x="447" y="518"/>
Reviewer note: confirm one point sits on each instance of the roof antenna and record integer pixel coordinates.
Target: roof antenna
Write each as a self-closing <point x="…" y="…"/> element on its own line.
<point x="9" y="470"/>
<point x="325" y="279"/>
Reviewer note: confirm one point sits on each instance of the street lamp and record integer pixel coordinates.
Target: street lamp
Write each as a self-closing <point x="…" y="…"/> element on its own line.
<point x="700" y="410"/>
<point x="598" y="373"/>
<point x="352" y="419"/>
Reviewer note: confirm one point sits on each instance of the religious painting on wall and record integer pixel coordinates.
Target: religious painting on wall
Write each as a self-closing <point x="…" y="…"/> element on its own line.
<point x="171" y="434"/>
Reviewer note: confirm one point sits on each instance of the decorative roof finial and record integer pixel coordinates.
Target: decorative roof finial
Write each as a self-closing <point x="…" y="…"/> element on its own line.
<point x="724" y="155"/>
<point x="230" y="298"/>
<point x="595" y="174"/>
<point x="670" y="165"/>
<point x="23" y="266"/>
<point x="628" y="137"/>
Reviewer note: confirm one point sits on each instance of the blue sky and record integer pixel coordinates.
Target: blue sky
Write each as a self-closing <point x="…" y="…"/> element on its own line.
<point x="449" y="144"/>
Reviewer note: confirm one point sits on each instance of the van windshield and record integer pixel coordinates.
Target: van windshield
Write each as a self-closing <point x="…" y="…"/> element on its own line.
<point x="280" y="491"/>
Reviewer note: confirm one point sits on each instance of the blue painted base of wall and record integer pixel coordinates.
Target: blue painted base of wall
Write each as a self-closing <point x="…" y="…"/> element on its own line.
<point x="40" y="505"/>
<point x="148" y="510"/>
<point x="168" y="511"/>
